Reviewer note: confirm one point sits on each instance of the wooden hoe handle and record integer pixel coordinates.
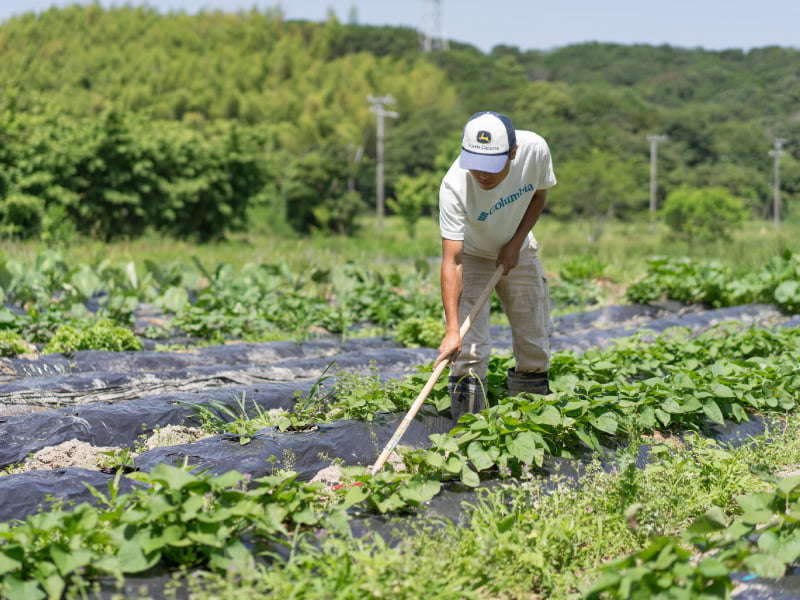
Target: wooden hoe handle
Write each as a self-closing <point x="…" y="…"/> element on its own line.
<point x="437" y="372"/>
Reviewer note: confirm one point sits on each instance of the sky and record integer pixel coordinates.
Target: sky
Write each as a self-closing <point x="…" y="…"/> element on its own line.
<point x="529" y="24"/>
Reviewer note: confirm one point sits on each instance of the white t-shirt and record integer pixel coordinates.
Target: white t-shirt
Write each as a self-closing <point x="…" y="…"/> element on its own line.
<point x="486" y="219"/>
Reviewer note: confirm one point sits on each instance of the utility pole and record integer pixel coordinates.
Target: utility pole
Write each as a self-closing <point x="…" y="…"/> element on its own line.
<point x="377" y="107"/>
<point x="776" y="198"/>
<point x="654" y="139"/>
<point x="432" y="27"/>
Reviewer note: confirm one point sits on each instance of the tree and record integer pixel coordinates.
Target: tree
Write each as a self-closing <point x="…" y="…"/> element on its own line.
<point x="598" y="187"/>
<point x="703" y="214"/>
<point x="416" y="196"/>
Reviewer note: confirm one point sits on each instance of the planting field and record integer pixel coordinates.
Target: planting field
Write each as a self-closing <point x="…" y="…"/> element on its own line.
<point x="240" y="469"/>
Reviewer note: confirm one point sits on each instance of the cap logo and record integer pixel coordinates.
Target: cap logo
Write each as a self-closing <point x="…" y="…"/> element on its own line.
<point x="484" y="137"/>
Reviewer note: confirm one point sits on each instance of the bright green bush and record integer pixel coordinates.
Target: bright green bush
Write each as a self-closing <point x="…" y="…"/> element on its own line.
<point x="12" y="344"/>
<point x="20" y="214"/>
<point x="426" y="332"/>
<point x="102" y="335"/>
<point x="703" y="214"/>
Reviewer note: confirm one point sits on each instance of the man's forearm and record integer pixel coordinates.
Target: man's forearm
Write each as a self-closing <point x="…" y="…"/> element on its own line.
<point x="451" y="294"/>
<point x="531" y="215"/>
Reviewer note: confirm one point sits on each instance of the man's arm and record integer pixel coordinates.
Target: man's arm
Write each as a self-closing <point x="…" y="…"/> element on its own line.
<point x="451" y="280"/>
<point x="509" y="254"/>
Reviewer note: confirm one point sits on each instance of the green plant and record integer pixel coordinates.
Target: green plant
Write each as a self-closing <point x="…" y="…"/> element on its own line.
<point x="703" y="214"/>
<point x="426" y="332"/>
<point x="387" y="490"/>
<point x="216" y="416"/>
<point x="11" y="344"/>
<point x="663" y="570"/>
<point x="103" y="334"/>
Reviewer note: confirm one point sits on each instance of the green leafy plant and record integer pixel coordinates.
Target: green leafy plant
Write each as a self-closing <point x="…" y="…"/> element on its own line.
<point x="703" y="214"/>
<point x="426" y="332"/>
<point x="216" y="416"/>
<point x="11" y="344"/>
<point x="386" y="491"/>
<point x="103" y="334"/>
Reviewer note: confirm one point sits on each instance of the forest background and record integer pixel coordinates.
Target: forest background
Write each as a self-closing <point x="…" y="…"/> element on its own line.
<point x="116" y="123"/>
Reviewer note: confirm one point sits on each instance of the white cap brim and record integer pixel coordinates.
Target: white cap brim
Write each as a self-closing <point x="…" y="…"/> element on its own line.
<point x="488" y="163"/>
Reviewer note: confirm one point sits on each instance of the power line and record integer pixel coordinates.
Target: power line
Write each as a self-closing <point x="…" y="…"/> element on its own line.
<point x="654" y="139"/>
<point x="378" y="108"/>
<point x="776" y="197"/>
<point x="432" y="27"/>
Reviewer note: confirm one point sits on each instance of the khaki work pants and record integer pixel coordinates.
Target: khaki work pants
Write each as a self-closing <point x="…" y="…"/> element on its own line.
<point x="525" y="300"/>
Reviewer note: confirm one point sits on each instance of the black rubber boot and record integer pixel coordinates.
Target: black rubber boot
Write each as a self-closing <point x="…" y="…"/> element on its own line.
<point x="527" y="383"/>
<point x="467" y="394"/>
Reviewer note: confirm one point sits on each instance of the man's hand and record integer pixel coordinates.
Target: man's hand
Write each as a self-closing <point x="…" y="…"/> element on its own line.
<point x="450" y="348"/>
<point x="508" y="257"/>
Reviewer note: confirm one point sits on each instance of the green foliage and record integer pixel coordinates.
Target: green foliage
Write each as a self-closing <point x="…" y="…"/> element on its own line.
<point x="711" y="283"/>
<point x="703" y="214"/>
<point x="387" y="491"/>
<point x="20" y="215"/>
<point x="426" y="332"/>
<point x="174" y="517"/>
<point x="761" y="540"/>
<point x="415" y="197"/>
<point x="11" y="344"/>
<point x="103" y="334"/>
<point x="600" y="187"/>
<point x="663" y="570"/>
<point x="315" y="192"/>
<point x="112" y="122"/>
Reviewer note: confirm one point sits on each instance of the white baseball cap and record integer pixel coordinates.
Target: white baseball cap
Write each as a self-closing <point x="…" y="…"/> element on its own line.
<point x="488" y="139"/>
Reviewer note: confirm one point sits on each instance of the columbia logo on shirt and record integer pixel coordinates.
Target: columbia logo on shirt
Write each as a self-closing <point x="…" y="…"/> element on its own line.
<point x="510" y="199"/>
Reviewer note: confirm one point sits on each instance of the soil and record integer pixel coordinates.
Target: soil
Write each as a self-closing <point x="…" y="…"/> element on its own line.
<point x="75" y="453"/>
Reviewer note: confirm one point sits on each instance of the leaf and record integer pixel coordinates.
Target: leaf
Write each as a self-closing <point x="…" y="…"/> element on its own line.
<point x="11" y="559"/>
<point x="420" y="490"/>
<point x="647" y="417"/>
<point x="765" y="565"/>
<point x="86" y="282"/>
<point x="506" y="524"/>
<point x="608" y="580"/>
<point x="711" y="567"/>
<point x="18" y="589"/>
<point x="479" y="457"/>
<point x="454" y="464"/>
<point x="755" y="501"/>
<point x="355" y="495"/>
<point x="713" y="520"/>
<point x="469" y="477"/>
<point x="550" y="415"/>
<point x="523" y="447"/>
<point x="788" y="292"/>
<point x="133" y="559"/>
<point x="722" y="391"/>
<point x="788" y="484"/>
<point x="606" y="423"/>
<point x="174" y="299"/>
<point x="434" y="459"/>
<point x="67" y="561"/>
<point x="663" y="417"/>
<point x="713" y="412"/>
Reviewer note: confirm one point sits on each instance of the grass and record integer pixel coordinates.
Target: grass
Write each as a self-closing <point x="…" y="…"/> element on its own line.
<point x="519" y="541"/>
<point x="623" y="248"/>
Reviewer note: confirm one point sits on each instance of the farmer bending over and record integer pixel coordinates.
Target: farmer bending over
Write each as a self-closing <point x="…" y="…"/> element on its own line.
<point x="489" y="201"/>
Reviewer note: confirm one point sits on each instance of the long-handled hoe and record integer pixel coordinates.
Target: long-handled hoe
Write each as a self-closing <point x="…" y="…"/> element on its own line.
<point x="437" y="372"/>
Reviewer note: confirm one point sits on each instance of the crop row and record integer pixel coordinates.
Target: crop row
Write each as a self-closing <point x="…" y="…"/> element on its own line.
<point x="603" y="398"/>
<point x="266" y="302"/>
<point x="712" y="284"/>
